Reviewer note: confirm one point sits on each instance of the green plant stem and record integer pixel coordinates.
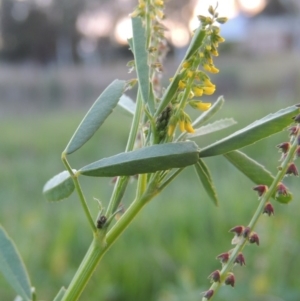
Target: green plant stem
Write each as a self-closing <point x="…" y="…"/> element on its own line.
<point x="121" y="184"/>
<point x="79" y="192"/>
<point x="170" y="178"/>
<point x="264" y="199"/>
<point x="102" y="243"/>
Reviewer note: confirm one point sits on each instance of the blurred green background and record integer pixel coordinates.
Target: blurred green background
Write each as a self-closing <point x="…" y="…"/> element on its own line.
<point x="168" y="252"/>
<point x="170" y="249"/>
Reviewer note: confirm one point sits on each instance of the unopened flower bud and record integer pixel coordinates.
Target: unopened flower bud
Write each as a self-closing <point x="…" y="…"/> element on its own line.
<point x="223" y="257"/>
<point x="238" y="230"/>
<point x="297" y="118"/>
<point x="298" y="152"/>
<point x="238" y="238"/>
<point x="222" y="20"/>
<point x="269" y="210"/>
<point x="281" y="190"/>
<point x="246" y="232"/>
<point x="211" y="10"/>
<point x="261" y="189"/>
<point x="207" y="295"/>
<point x="240" y="259"/>
<point x="293" y="130"/>
<point x="292" y="170"/>
<point x="253" y="238"/>
<point x="215" y="276"/>
<point x="230" y="279"/>
<point x="284" y="147"/>
<point x="201" y="18"/>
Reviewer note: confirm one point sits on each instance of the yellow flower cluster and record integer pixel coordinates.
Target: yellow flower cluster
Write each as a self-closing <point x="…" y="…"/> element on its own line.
<point x="194" y="82"/>
<point x="184" y="122"/>
<point x="155" y="10"/>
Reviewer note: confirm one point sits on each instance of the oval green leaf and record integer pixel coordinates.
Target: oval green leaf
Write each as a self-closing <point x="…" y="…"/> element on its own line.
<point x="260" y="129"/>
<point x="206" y="180"/>
<point x="257" y="173"/>
<point x="13" y="268"/>
<point x="59" y="187"/>
<point x="97" y="114"/>
<point x="145" y="160"/>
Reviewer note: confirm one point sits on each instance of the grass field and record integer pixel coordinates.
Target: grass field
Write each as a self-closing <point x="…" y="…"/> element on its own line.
<point x="169" y="250"/>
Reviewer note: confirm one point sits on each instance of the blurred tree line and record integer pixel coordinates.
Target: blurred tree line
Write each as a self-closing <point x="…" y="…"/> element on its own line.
<point x="46" y="31"/>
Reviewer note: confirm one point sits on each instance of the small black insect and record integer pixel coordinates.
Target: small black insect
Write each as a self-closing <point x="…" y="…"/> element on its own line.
<point x="101" y="221"/>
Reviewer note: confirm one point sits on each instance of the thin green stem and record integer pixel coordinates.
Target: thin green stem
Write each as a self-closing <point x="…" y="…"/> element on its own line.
<point x="170" y="178"/>
<point x="264" y="199"/>
<point x="142" y="185"/>
<point x="102" y="243"/>
<point x="121" y="184"/>
<point x="79" y="192"/>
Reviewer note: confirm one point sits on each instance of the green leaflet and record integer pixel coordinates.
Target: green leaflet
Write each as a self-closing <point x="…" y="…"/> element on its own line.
<point x="13" y="268"/>
<point x="196" y="42"/>
<point x="212" y="127"/>
<point x="252" y="133"/>
<point x="205" y="116"/>
<point x="255" y="172"/>
<point x="141" y="60"/>
<point x="127" y="104"/>
<point x="145" y="160"/>
<point x="97" y="114"/>
<point x="206" y="180"/>
<point x="59" y="187"/>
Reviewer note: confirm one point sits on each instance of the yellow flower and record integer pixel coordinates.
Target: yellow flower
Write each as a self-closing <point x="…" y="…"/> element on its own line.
<point x="188" y="127"/>
<point x="209" y="59"/>
<point x="189" y="73"/>
<point x="198" y="91"/>
<point x="207" y="67"/>
<point x="220" y="39"/>
<point x="209" y="90"/>
<point x="171" y="129"/>
<point x="142" y="4"/>
<point x="208" y="47"/>
<point x="181" y="84"/>
<point x="172" y="125"/>
<point x="186" y="64"/>
<point x="159" y="2"/>
<point x="181" y="125"/>
<point x="201" y="54"/>
<point x="213" y="69"/>
<point x="203" y="106"/>
<point x="214" y="52"/>
<point x="208" y="83"/>
<point x="160" y="14"/>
